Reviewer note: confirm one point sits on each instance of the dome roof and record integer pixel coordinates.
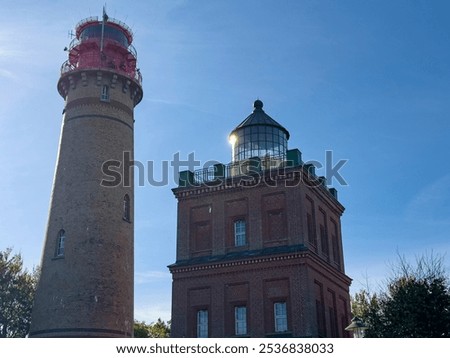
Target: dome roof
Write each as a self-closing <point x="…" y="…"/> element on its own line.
<point x="260" y="118"/>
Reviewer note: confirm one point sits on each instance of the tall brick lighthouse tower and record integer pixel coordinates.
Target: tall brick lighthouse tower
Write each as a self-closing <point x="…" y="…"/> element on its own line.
<point x="86" y="282"/>
<point x="259" y="247"/>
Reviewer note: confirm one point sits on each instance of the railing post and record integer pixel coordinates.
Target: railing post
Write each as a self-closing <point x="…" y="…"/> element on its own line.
<point x="219" y="171"/>
<point x="294" y="157"/>
<point x="186" y="178"/>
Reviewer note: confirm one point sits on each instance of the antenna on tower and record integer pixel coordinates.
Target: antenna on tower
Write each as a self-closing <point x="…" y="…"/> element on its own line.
<point x="70" y="34"/>
<point x="104" y="19"/>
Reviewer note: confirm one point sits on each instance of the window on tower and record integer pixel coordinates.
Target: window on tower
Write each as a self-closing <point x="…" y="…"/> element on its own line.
<point x="60" y="243"/>
<point x="105" y="94"/>
<point x="202" y="324"/>
<point x="280" y="316"/>
<point x="240" y="320"/>
<point x="94" y="31"/>
<point x="240" y="233"/>
<point x="126" y="208"/>
<point x="258" y="141"/>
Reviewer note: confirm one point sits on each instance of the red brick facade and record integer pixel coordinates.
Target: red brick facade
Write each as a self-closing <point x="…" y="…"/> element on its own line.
<point x="288" y="275"/>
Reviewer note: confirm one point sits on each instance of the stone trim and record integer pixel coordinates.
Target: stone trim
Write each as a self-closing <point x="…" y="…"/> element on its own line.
<point x="80" y="330"/>
<point x="96" y="101"/>
<point x="174" y="270"/>
<point x="84" y="116"/>
<point x="237" y="183"/>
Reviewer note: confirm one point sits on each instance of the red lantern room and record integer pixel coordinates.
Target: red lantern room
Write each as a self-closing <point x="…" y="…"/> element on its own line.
<point x="104" y="45"/>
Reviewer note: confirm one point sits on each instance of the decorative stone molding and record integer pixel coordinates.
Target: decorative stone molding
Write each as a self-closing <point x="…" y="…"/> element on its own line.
<point x="99" y="78"/>
<point x="113" y="81"/>
<point x="84" y="80"/>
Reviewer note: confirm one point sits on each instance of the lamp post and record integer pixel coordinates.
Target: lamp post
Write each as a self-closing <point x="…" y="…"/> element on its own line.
<point x="358" y="327"/>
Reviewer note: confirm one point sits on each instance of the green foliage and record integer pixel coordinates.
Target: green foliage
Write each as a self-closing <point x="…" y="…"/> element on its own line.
<point x="141" y="330"/>
<point x="367" y="307"/>
<point x="415" y="302"/>
<point x="17" y="287"/>
<point x="158" y="329"/>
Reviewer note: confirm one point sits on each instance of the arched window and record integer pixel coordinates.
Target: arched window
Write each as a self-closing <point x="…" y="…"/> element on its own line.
<point x="60" y="244"/>
<point x="105" y="93"/>
<point x="126" y="208"/>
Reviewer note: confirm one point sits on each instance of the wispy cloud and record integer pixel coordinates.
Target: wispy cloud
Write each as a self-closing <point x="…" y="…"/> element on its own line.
<point x="12" y="47"/>
<point x="163" y="101"/>
<point x="7" y="74"/>
<point x="431" y="203"/>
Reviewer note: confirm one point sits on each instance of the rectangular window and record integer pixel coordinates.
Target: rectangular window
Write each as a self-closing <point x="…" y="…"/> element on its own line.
<point x="202" y="324"/>
<point x="126" y="208"/>
<point x="105" y="93"/>
<point x="240" y="233"/>
<point x="61" y="242"/>
<point x="280" y="315"/>
<point x="240" y="320"/>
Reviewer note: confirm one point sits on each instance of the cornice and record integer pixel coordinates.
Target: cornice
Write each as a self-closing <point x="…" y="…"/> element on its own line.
<point x="70" y="80"/>
<point x="242" y="262"/>
<point x="214" y="268"/>
<point x="286" y="177"/>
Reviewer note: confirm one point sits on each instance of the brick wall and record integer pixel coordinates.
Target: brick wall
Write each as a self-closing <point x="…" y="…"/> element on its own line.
<point x="293" y="247"/>
<point x="88" y="291"/>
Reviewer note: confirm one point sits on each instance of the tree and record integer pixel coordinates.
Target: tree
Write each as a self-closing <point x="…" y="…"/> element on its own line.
<point x="17" y="287"/>
<point x="158" y="329"/>
<point x="415" y="302"/>
<point x="367" y="307"/>
<point x="141" y="329"/>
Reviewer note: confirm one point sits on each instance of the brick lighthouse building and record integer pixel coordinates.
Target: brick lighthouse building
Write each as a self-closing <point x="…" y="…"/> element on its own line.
<point x="259" y="247"/>
<point x="86" y="282"/>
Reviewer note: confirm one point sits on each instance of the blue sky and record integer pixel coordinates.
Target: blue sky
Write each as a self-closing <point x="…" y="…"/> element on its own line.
<point x="369" y="80"/>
